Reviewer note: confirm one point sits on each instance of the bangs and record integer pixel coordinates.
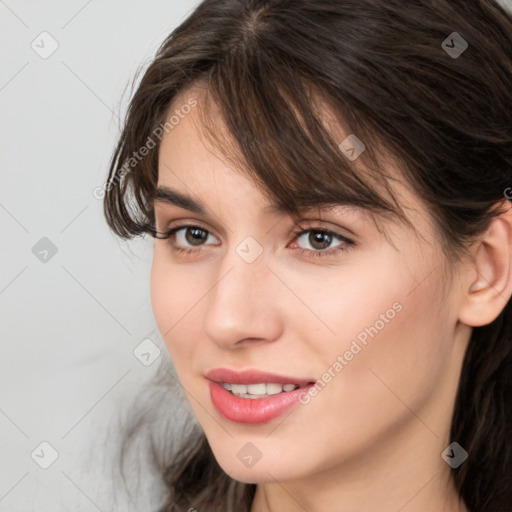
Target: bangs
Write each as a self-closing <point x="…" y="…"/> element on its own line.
<point x="288" y="139"/>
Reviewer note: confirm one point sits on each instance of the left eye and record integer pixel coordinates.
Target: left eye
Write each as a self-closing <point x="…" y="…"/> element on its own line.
<point x="319" y="240"/>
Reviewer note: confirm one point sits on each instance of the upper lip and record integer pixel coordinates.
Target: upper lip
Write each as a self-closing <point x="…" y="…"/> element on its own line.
<point x="253" y="377"/>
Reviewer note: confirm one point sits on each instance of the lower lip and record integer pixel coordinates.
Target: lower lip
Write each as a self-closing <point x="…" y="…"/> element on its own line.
<point x="253" y="410"/>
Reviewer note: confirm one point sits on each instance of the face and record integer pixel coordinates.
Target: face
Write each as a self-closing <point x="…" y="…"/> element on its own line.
<point x="364" y="324"/>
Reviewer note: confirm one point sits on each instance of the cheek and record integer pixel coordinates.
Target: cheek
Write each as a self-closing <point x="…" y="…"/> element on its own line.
<point x="414" y="352"/>
<point x="174" y="295"/>
<point x="389" y="337"/>
<point x="390" y="364"/>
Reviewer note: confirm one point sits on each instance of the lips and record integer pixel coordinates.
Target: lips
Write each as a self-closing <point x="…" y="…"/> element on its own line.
<point x="252" y="377"/>
<point x="254" y="397"/>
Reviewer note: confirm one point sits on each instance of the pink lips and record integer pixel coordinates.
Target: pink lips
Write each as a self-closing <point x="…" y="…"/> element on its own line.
<point x="253" y="410"/>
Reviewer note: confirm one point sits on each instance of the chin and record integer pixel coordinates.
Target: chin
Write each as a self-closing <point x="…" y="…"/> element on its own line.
<point x="247" y="464"/>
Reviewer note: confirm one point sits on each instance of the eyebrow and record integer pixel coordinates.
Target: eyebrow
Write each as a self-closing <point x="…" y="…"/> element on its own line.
<point x="163" y="194"/>
<point x="167" y="195"/>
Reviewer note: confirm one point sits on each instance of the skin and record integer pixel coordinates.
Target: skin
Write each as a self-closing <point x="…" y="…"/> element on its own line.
<point x="372" y="437"/>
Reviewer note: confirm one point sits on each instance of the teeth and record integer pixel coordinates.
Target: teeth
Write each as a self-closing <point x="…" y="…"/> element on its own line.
<point x="238" y="389"/>
<point x="258" y="390"/>
<point x="274" y="389"/>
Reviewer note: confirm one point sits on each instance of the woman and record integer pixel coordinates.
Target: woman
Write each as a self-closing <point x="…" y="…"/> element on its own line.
<point x="326" y="182"/>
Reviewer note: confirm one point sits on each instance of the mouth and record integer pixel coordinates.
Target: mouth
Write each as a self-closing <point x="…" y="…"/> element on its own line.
<point x="254" y="397"/>
<point x="258" y="390"/>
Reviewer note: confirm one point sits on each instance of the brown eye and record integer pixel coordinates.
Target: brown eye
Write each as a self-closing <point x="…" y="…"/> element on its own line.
<point x="195" y="236"/>
<point x="319" y="239"/>
<point x="188" y="237"/>
<point x="320" y="242"/>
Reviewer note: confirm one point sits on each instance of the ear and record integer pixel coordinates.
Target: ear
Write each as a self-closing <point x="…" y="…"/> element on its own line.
<point x="488" y="282"/>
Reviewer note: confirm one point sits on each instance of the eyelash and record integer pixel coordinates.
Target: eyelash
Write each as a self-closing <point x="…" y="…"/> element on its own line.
<point x="347" y="243"/>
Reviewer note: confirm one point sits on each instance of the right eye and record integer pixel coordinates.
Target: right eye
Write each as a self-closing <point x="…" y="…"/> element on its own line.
<point x="185" y="237"/>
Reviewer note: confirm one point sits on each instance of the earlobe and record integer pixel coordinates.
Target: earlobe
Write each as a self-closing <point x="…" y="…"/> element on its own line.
<point x="489" y="281"/>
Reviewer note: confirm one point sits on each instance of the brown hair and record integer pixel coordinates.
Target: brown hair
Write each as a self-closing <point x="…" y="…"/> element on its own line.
<point x="388" y="71"/>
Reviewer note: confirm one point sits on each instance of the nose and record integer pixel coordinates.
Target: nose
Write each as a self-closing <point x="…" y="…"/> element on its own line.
<point x="243" y="305"/>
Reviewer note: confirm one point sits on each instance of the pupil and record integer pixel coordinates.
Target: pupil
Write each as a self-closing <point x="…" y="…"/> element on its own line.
<point x="316" y="239"/>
